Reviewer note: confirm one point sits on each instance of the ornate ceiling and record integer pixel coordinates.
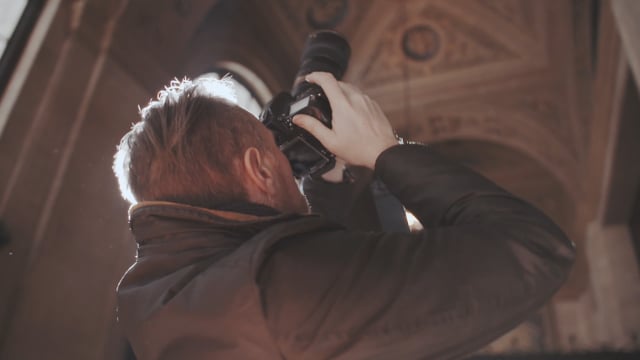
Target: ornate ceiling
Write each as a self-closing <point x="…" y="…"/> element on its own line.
<point x="499" y="84"/>
<point x="502" y="71"/>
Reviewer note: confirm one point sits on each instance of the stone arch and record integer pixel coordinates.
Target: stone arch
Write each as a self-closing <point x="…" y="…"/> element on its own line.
<point x="516" y="171"/>
<point x="248" y="78"/>
<point x="512" y="130"/>
<point x="252" y="93"/>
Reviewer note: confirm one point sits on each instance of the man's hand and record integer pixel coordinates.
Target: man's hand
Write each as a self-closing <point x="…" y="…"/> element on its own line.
<point x="360" y="130"/>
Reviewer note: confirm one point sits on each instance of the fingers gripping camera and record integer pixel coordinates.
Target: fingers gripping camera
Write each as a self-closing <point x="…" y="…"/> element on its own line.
<point x="305" y="153"/>
<point x="324" y="51"/>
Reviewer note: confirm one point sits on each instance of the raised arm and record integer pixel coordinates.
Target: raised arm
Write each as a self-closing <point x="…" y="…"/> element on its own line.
<point x="485" y="262"/>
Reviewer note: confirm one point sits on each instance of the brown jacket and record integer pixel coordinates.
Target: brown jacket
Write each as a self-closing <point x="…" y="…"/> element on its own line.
<point x="212" y="284"/>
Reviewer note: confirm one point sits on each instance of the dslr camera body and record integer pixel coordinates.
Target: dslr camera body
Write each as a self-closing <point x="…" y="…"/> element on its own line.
<point x="324" y="51"/>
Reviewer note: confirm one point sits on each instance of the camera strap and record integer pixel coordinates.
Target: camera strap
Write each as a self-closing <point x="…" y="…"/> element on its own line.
<point x="391" y="213"/>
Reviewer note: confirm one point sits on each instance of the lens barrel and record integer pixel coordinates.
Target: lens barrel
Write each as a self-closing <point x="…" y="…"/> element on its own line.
<point x="325" y="51"/>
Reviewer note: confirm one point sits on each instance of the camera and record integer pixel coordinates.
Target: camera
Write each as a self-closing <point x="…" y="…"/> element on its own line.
<point x="323" y="51"/>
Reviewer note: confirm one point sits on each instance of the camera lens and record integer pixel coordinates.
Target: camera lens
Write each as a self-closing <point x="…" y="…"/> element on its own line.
<point x="325" y="51"/>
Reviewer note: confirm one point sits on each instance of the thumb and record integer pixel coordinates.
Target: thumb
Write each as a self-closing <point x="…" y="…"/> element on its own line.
<point x="316" y="128"/>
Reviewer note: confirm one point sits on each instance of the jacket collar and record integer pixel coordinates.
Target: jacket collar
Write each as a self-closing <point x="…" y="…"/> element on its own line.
<point x="234" y="211"/>
<point x="157" y="219"/>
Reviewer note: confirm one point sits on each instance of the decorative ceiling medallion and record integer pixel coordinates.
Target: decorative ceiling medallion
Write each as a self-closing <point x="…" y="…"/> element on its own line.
<point x="326" y="14"/>
<point x="420" y="42"/>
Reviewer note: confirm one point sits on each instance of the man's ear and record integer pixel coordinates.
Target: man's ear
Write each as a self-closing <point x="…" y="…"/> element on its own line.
<point x="258" y="170"/>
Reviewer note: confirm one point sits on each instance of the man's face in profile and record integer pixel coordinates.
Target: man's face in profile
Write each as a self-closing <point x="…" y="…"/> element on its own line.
<point x="288" y="197"/>
<point x="292" y="200"/>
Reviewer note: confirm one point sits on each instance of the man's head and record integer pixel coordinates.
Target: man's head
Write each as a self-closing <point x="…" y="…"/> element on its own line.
<point x="195" y="146"/>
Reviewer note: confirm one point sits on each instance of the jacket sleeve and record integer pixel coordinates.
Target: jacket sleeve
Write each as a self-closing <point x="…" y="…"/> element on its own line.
<point x="350" y="203"/>
<point x="484" y="263"/>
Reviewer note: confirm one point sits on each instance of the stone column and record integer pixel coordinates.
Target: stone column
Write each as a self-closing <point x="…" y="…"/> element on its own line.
<point x="627" y="14"/>
<point x="615" y="286"/>
<point x="607" y="315"/>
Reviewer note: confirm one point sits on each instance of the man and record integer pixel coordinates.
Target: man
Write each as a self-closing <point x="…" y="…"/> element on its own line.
<point x="230" y="264"/>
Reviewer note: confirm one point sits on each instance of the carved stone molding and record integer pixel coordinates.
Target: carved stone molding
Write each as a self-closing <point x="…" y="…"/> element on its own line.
<point x="456" y="45"/>
<point x="496" y="125"/>
<point x="518" y="12"/>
